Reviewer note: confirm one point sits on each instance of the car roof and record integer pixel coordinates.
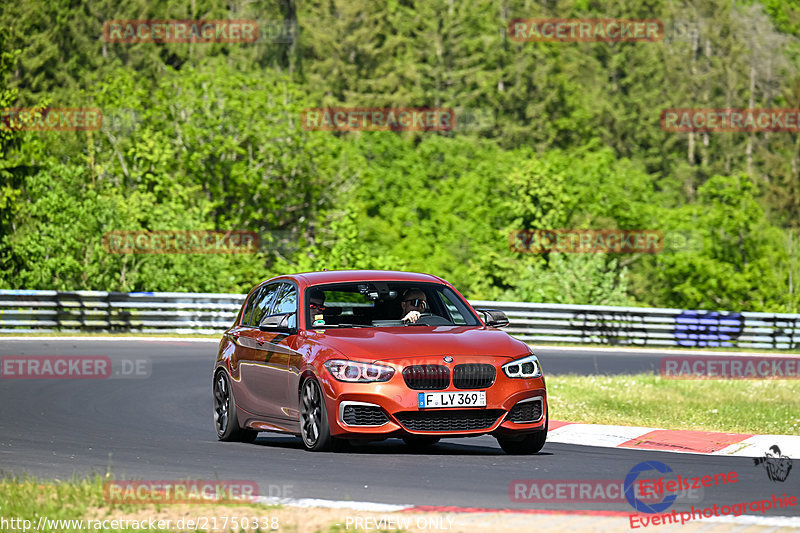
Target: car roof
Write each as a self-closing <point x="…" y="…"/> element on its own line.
<point x="342" y="276"/>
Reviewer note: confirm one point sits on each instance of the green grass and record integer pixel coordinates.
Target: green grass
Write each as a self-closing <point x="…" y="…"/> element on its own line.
<point x="78" y="499"/>
<point x="735" y="406"/>
<point x="82" y="499"/>
<point x="28" y="499"/>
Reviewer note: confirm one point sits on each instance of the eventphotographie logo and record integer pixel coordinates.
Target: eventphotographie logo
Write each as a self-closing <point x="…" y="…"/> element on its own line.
<point x="776" y="464"/>
<point x="180" y="31"/>
<point x="693" y="513"/>
<point x="639" y="503"/>
<point x="585" y="30"/>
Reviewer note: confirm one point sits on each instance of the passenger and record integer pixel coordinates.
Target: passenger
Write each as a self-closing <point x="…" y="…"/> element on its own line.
<point x="316" y="300"/>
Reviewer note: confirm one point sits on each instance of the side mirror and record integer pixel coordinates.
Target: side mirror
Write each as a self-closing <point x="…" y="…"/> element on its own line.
<point x="278" y="323"/>
<point x="494" y="317"/>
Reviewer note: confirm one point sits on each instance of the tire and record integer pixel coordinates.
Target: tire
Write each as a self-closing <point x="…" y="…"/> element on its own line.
<point x="525" y="445"/>
<point x="226" y="420"/>
<point x="420" y="442"/>
<point x="314" y="426"/>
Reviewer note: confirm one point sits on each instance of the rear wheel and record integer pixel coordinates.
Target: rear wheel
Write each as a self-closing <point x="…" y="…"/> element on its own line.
<point x="314" y="427"/>
<point x="525" y="445"/>
<point x="226" y="420"/>
<point x="420" y="442"/>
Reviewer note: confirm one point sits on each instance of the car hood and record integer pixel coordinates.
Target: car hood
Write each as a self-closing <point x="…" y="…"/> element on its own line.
<point x="385" y="344"/>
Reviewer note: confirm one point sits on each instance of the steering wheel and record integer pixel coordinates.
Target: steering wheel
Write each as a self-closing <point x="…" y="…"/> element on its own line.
<point x="429" y="319"/>
<point x="421" y="315"/>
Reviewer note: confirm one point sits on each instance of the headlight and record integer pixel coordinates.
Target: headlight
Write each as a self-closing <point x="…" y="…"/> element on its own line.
<point x="527" y="367"/>
<point x="354" y="372"/>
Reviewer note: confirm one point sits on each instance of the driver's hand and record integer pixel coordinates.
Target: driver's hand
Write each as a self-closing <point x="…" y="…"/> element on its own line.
<point x="412" y="316"/>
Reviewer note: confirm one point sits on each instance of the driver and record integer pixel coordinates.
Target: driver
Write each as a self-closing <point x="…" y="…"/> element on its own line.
<point x="413" y="304"/>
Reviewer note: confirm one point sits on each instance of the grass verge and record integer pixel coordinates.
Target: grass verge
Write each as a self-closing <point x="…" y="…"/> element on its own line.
<point x="735" y="406"/>
<point x="80" y="505"/>
<point x="81" y="500"/>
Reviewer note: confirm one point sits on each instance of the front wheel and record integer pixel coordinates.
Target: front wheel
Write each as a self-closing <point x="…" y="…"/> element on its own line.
<point x="226" y="420"/>
<point x="314" y="428"/>
<point x="525" y="445"/>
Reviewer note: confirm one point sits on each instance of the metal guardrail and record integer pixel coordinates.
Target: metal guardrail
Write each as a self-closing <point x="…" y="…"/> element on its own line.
<point x="23" y="311"/>
<point x="648" y="326"/>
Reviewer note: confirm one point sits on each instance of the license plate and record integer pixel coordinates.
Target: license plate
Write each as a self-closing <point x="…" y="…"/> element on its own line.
<point x="452" y="399"/>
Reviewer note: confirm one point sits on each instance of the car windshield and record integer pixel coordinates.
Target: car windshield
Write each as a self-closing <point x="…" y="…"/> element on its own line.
<point x="384" y="304"/>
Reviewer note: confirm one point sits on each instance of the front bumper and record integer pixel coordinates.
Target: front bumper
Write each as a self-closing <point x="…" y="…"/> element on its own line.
<point x="391" y="409"/>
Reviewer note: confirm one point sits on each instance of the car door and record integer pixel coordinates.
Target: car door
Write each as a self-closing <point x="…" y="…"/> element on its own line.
<point x="265" y="375"/>
<point x="247" y="358"/>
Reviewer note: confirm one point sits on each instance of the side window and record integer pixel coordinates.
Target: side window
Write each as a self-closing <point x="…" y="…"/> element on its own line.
<point x="458" y="313"/>
<point x="286" y="302"/>
<point x="263" y="303"/>
<point x="248" y="310"/>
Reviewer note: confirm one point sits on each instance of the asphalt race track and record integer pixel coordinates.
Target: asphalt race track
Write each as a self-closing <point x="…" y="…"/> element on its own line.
<point x="160" y="427"/>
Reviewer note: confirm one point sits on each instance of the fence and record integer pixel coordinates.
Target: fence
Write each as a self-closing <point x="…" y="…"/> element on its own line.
<point x="145" y="312"/>
<point x="23" y="311"/>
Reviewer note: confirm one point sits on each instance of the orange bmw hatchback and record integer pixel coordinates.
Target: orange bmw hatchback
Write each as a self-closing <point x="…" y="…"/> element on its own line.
<point x="342" y="355"/>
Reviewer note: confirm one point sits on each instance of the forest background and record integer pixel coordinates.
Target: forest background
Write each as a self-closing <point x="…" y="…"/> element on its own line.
<point x="549" y="135"/>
